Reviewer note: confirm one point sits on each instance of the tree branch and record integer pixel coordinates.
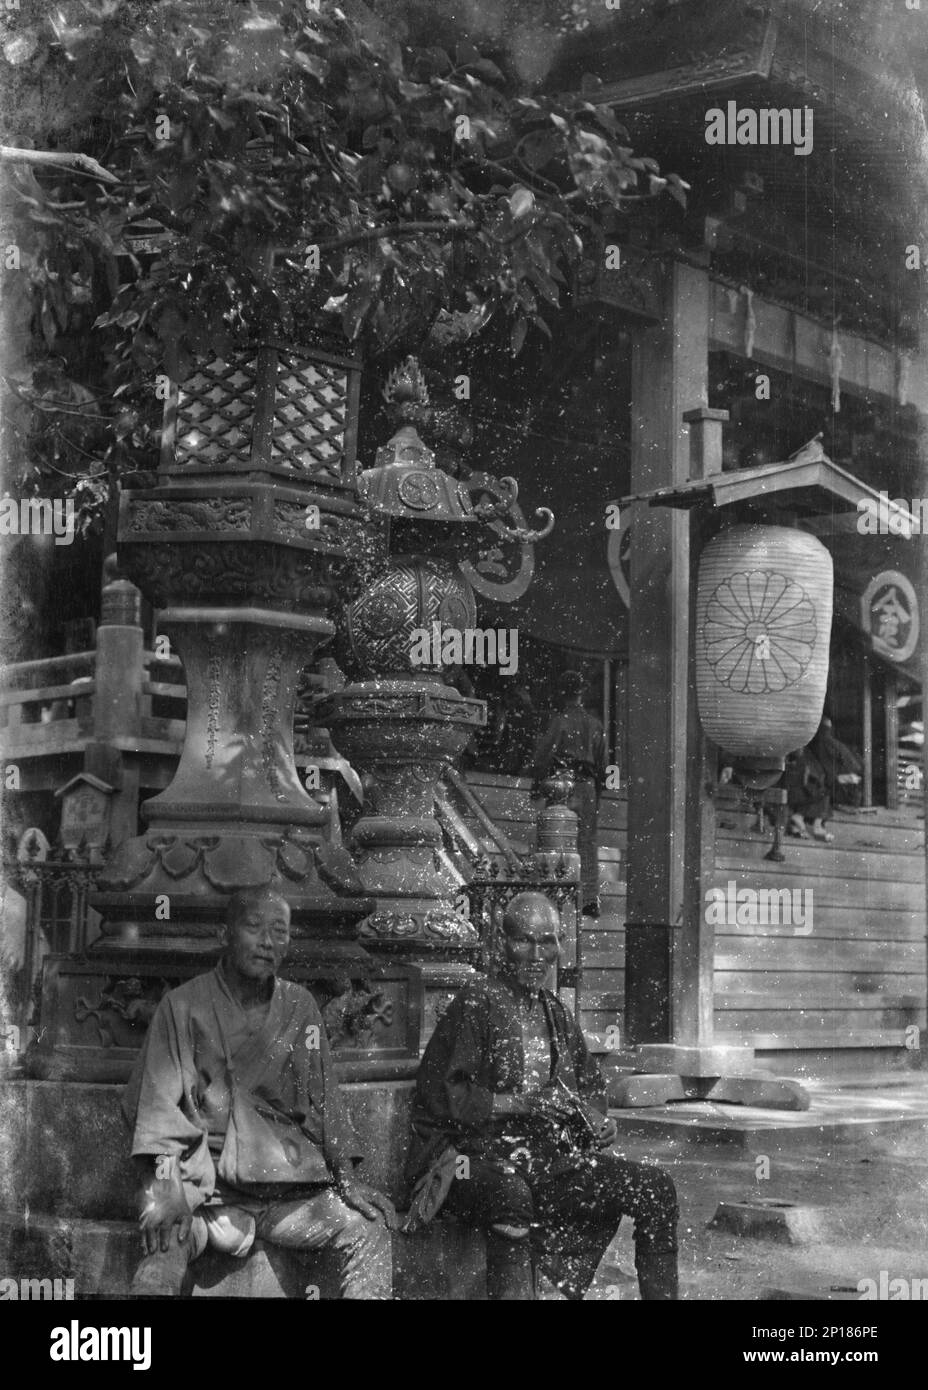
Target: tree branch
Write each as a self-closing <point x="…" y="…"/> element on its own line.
<point x="58" y="159"/>
<point x="392" y="230"/>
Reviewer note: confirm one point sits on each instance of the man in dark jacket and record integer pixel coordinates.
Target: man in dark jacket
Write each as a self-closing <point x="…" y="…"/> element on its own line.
<point x="510" y="1129"/>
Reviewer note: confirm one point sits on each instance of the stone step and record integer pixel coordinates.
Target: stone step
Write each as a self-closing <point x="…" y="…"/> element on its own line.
<point x="66" y="1145"/>
<point x="833" y="1119"/>
<point x="443" y="1262"/>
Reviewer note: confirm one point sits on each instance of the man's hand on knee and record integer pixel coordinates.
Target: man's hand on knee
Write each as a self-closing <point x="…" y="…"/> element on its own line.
<point x="607" y="1134"/>
<point x="368" y="1201"/>
<point x="163" y="1205"/>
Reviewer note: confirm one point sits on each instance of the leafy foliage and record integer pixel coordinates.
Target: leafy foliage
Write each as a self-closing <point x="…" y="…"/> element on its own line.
<point x="292" y="170"/>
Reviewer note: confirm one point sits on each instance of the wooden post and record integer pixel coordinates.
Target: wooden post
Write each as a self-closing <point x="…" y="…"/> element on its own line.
<point x="891" y="726"/>
<point x="923" y="615"/>
<point x="867" y="731"/>
<point x="118" y="678"/>
<point x="669" y="950"/>
<point x="669" y="376"/>
<point x="694" y="955"/>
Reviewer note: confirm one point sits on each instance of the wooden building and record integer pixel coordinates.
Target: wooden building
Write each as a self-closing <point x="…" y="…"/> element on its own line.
<point x="782" y="298"/>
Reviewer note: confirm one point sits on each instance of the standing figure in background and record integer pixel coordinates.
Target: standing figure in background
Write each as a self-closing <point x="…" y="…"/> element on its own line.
<point x="515" y="731"/>
<point x="807" y="795"/>
<point x="574" y="743"/>
<point x="842" y="766"/>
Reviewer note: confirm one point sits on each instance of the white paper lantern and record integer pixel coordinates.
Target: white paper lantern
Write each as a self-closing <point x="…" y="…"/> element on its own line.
<point x="763" y="624"/>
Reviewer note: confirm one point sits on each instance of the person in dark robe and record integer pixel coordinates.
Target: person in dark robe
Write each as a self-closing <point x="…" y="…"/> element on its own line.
<point x="807" y="795"/>
<point x="843" y="768"/>
<point x="824" y="774"/>
<point x="510" y="1131"/>
<point x="574" y="743"/>
<point x="238" y="1125"/>
<point x="515" y="732"/>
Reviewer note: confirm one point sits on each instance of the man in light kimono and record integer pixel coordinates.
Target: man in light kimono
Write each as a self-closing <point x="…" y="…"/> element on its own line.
<point x="239" y="1127"/>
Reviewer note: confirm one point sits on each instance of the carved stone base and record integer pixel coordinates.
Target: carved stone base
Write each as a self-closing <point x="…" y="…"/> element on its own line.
<point x="95" y="1012"/>
<point x="417" y="923"/>
<point x="401" y="734"/>
<point x="441" y="980"/>
<point x="235" y="815"/>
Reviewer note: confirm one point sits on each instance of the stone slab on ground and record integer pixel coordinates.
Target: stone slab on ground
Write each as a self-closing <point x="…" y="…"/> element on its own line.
<point x="770" y="1218"/>
<point x="835" y="1116"/>
<point x="666" y="1058"/>
<point x="872" y="1193"/>
<point x="633" y="1092"/>
<point x="761" y="1092"/>
<point x="810" y="1294"/>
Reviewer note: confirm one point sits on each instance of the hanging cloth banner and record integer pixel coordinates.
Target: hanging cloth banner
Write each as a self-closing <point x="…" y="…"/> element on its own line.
<point x="836" y="358"/>
<point x="877" y="589"/>
<point x="750" y="321"/>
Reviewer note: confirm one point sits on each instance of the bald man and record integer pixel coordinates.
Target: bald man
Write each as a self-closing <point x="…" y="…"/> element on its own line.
<point x="239" y="1129"/>
<point x="510" y="1130"/>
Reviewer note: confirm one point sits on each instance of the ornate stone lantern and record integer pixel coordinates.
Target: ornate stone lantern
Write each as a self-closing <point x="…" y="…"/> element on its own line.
<point x="401" y="723"/>
<point x="243" y="546"/>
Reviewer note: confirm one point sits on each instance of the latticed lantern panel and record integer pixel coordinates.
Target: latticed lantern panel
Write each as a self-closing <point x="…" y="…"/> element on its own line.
<point x="280" y="408"/>
<point x="310" y="415"/>
<point x="215" y="414"/>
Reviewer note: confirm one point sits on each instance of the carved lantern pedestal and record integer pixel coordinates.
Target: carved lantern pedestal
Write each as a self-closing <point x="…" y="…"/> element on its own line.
<point x="401" y="724"/>
<point x="244" y="547"/>
<point x="402" y="734"/>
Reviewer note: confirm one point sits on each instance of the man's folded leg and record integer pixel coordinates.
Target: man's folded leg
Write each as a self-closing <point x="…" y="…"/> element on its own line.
<point x="363" y="1248"/>
<point x="595" y="1196"/>
<point x="500" y="1203"/>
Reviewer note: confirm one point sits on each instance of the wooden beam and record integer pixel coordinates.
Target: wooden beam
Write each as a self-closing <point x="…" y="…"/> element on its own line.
<point x="792" y="341"/>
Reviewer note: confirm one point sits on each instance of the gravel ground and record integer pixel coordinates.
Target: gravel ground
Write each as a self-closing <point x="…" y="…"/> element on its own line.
<point x="871" y="1201"/>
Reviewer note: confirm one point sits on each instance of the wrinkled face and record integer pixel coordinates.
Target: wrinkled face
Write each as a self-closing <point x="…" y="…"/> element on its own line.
<point x="530" y="942"/>
<point x="257" y="937"/>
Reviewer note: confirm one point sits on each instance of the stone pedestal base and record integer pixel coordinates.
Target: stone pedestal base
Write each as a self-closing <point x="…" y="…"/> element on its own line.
<point x="402" y="733"/>
<point x="660" y="1073"/>
<point x="96" y="1010"/>
<point x="693" y="1061"/>
<point x="441" y="980"/>
<point x="65" y="1163"/>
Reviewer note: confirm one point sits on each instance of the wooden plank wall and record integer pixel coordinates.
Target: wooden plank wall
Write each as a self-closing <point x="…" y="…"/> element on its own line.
<point x="855" y="982"/>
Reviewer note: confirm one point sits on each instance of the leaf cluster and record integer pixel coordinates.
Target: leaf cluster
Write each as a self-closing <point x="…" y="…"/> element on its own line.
<point x="281" y="173"/>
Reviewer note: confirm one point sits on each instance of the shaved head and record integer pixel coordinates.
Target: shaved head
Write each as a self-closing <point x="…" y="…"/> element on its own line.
<point x="256" y="934"/>
<point x="245" y="899"/>
<point x="530" y="910"/>
<point x="530" y="939"/>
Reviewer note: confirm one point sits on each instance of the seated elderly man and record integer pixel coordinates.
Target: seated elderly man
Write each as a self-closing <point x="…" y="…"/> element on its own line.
<point x="508" y="1085"/>
<point x="238" y="1124"/>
